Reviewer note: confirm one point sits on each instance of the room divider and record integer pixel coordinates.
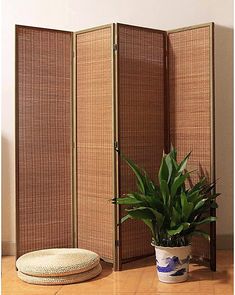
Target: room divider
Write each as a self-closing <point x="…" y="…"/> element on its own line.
<point x="82" y="95"/>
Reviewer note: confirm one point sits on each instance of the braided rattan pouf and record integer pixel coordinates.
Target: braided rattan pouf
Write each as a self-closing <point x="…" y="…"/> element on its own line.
<point x="58" y="266"/>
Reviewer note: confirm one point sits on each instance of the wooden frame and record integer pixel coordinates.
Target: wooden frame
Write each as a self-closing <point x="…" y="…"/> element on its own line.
<point x="32" y="186"/>
<point x="212" y="227"/>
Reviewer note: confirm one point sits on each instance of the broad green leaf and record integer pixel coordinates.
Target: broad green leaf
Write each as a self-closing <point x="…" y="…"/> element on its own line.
<point x="178" y="205"/>
<point x="200" y="204"/>
<point x="186" y="225"/>
<point x="172" y="224"/>
<point x="206" y="220"/>
<point x="176" y="217"/>
<point x="141" y="213"/>
<point x="172" y="232"/>
<point x="148" y="201"/>
<point x="193" y="197"/>
<point x="187" y="207"/>
<point x="198" y="186"/>
<point x="163" y="171"/>
<point x="183" y="164"/>
<point x="139" y="186"/>
<point x="136" y="196"/>
<point x="179" y="180"/>
<point x="173" y="153"/>
<point x="159" y="217"/>
<point x="154" y="203"/>
<point x="164" y="191"/>
<point x="149" y="223"/>
<point x="137" y="172"/>
<point x="149" y="184"/>
<point x="128" y="201"/>
<point x="125" y="218"/>
<point x="176" y="166"/>
<point x="169" y="166"/>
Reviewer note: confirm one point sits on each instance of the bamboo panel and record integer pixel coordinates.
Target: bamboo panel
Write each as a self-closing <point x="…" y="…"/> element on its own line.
<point x="141" y="79"/>
<point x="43" y="139"/>
<point x="95" y="141"/>
<point x="190" y="105"/>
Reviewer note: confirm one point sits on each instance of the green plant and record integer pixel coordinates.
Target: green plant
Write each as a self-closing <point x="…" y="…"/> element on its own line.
<point x="172" y="211"/>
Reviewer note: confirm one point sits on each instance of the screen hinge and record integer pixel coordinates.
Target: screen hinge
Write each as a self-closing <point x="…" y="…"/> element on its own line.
<point x="117" y="243"/>
<point x="167" y="65"/>
<point x="116" y="146"/>
<point x="115" y="47"/>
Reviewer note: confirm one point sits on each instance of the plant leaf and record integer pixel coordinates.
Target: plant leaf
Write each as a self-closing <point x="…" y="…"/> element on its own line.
<point x="187" y="207"/>
<point x="193" y="197"/>
<point x="141" y="213"/>
<point x="164" y="191"/>
<point x="169" y="166"/>
<point x="179" y="180"/>
<point x="200" y="204"/>
<point x="206" y="220"/>
<point x="154" y="203"/>
<point x="173" y="153"/>
<point x="198" y="186"/>
<point x="124" y="218"/>
<point x="149" y="223"/>
<point x="172" y="232"/>
<point x="183" y="164"/>
<point x="163" y="171"/>
<point x="186" y="225"/>
<point x="128" y="201"/>
<point x="137" y="172"/>
<point x="159" y="217"/>
<point x="176" y="217"/>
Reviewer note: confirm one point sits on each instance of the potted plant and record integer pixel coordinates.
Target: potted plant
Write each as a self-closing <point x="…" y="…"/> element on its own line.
<point x="172" y="211"/>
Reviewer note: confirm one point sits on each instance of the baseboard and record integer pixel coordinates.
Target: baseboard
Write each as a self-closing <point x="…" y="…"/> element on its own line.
<point x="224" y="242"/>
<point x="8" y="248"/>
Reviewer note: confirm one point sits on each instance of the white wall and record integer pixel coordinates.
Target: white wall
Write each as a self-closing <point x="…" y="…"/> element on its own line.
<point x="162" y="14"/>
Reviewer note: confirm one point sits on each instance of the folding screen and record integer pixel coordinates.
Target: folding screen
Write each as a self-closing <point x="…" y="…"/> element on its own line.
<point x="190" y="55"/>
<point x="95" y="140"/>
<point x="141" y="95"/>
<point x="43" y="139"/>
<point x="135" y="89"/>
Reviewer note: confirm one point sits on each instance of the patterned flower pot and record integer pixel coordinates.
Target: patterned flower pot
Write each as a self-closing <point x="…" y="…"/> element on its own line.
<point x="172" y="263"/>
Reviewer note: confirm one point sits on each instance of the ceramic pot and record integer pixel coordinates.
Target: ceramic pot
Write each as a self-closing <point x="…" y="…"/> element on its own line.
<point x="172" y="263"/>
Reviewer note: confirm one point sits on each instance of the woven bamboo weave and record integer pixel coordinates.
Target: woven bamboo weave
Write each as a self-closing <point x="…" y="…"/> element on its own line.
<point x="141" y="119"/>
<point x="57" y="262"/>
<point x="43" y="139"/>
<point x="64" y="280"/>
<point x="189" y="99"/>
<point x="95" y="141"/>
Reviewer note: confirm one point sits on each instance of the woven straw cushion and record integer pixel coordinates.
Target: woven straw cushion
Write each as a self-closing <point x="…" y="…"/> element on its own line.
<point x="57" y="262"/>
<point x="61" y="280"/>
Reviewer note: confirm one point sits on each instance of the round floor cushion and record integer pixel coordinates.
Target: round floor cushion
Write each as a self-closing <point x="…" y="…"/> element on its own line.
<point x="61" y="280"/>
<point x="57" y="262"/>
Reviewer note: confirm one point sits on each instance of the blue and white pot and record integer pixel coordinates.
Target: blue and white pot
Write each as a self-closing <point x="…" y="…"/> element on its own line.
<point x="172" y="263"/>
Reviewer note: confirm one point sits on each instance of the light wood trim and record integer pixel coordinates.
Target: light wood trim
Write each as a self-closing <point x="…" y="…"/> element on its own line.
<point x="74" y="144"/>
<point x="190" y="28"/>
<point x="117" y="252"/>
<point x="93" y="29"/>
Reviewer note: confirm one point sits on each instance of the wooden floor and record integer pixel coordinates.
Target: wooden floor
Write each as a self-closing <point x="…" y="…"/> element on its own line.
<point x="136" y="278"/>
